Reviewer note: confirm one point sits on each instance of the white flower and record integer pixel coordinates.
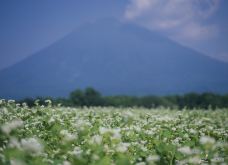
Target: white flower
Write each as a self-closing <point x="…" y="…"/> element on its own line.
<point x="141" y="163"/>
<point x="176" y="141"/>
<point x="51" y="120"/>
<point x="207" y="140"/>
<point x="88" y="152"/>
<point x="11" y="101"/>
<point x="31" y="145"/>
<point x="186" y="136"/>
<point x="67" y="136"/>
<point x="143" y="148"/>
<point x="77" y="151"/>
<point x="152" y="158"/>
<point x="103" y="130"/>
<point x="192" y="131"/>
<point x="194" y="160"/>
<point x="82" y="124"/>
<point x="14" y="143"/>
<point x="185" y="150"/>
<point x="115" y="132"/>
<point x="4" y="110"/>
<point x="49" y="161"/>
<point x="16" y="162"/>
<point x="8" y="127"/>
<point x="217" y="160"/>
<point x="24" y="105"/>
<point x="127" y="115"/>
<point x="97" y="139"/>
<point x="122" y="147"/>
<point x="48" y="102"/>
<point x="95" y="157"/>
<point x="66" y="163"/>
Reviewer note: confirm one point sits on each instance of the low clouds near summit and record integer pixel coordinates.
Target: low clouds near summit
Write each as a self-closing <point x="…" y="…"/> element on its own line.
<point x="181" y="20"/>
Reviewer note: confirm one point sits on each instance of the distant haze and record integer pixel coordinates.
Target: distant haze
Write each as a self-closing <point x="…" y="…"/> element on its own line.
<point x="115" y="58"/>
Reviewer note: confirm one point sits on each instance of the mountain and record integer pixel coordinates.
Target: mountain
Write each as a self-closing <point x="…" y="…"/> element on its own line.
<point x="114" y="58"/>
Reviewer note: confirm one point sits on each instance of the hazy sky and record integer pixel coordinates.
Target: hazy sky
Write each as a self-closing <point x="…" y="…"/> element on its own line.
<point x="26" y="26"/>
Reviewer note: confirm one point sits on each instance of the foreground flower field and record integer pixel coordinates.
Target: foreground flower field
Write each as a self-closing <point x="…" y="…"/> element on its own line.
<point x="103" y="136"/>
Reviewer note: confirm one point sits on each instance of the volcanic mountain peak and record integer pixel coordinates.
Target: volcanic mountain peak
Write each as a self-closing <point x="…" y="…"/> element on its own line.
<point x="114" y="58"/>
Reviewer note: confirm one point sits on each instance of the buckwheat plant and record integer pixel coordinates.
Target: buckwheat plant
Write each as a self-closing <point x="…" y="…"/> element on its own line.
<point x="46" y="135"/>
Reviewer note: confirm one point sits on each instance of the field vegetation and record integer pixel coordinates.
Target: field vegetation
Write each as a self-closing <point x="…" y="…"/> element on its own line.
<point x="44" y="135"/>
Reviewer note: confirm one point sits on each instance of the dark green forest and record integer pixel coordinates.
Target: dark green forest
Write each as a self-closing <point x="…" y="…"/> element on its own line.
<point x="91" y="97"/>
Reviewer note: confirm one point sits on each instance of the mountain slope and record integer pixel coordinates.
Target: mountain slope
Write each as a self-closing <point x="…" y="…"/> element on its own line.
<point x="115" y="58"/>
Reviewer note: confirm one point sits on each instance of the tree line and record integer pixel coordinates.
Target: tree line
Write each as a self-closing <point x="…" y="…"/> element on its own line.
<point x="91" y="97"/>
